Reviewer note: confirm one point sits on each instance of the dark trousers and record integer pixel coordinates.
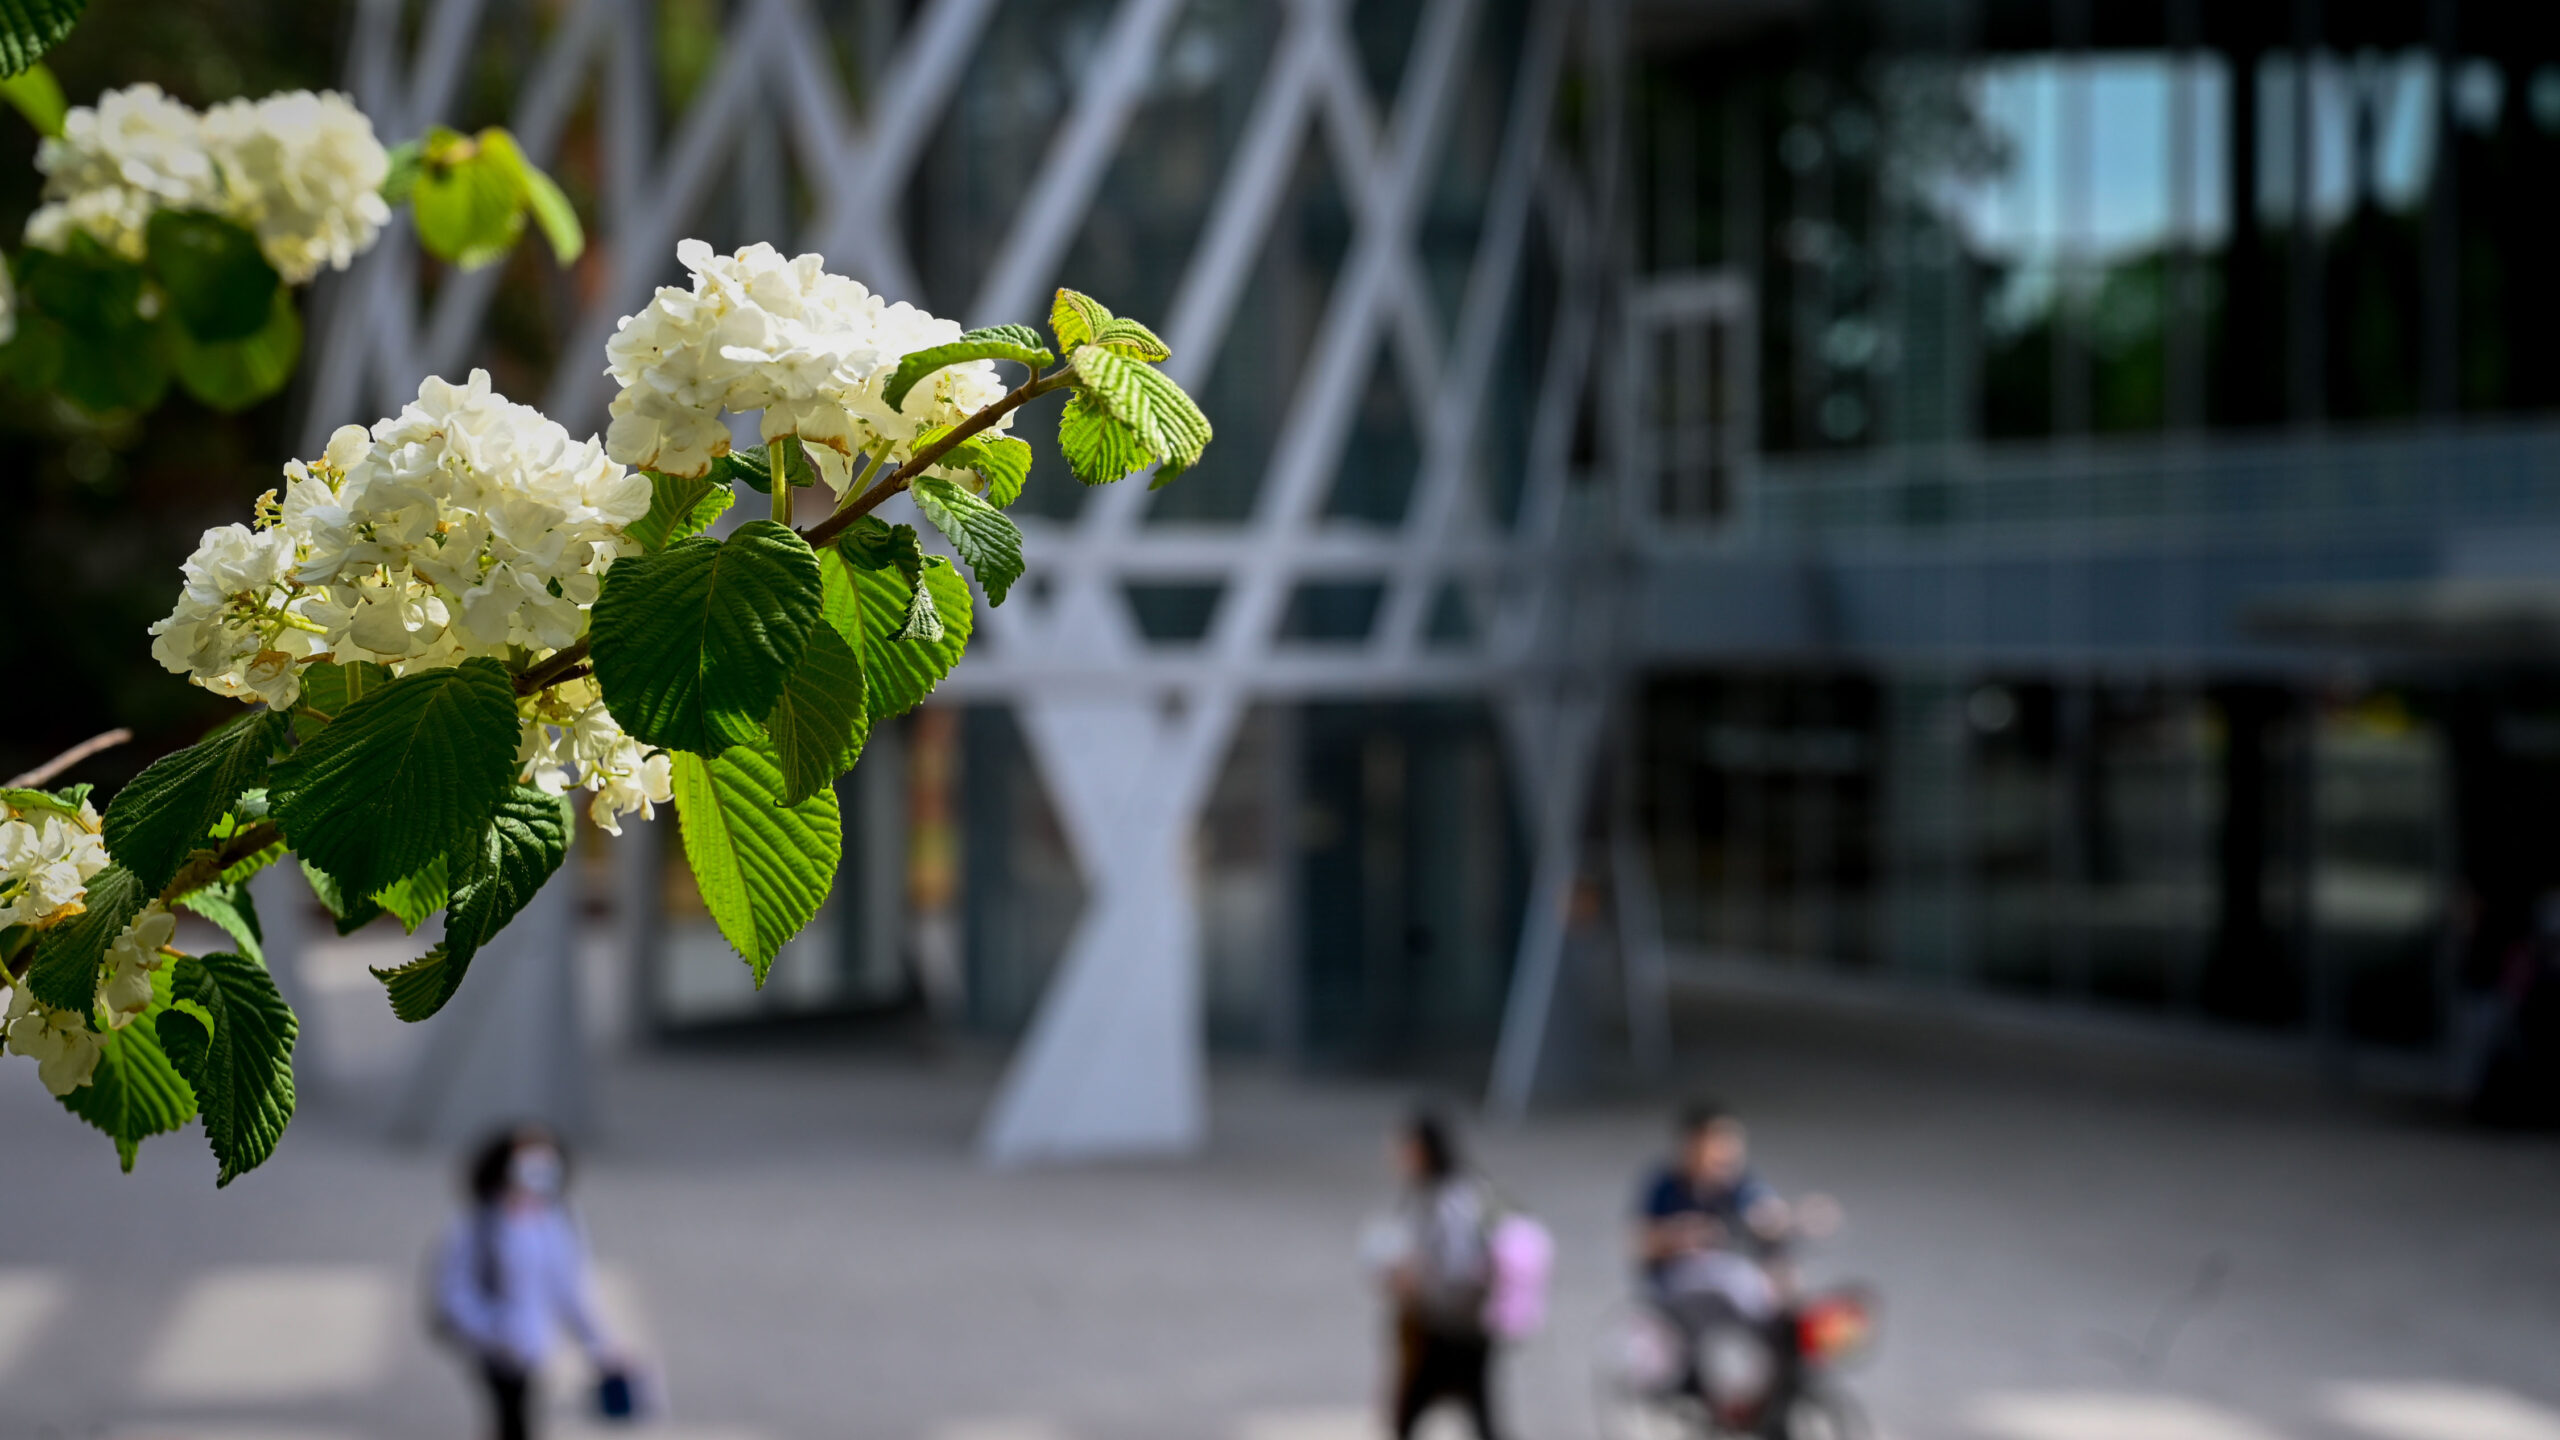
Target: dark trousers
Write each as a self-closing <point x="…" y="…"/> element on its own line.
<point x="510" y="1398"/>
<point x="1434" y="1365"/>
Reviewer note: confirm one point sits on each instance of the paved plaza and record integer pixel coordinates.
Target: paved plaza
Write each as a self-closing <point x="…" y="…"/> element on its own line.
<point x="2074" y="1243"/>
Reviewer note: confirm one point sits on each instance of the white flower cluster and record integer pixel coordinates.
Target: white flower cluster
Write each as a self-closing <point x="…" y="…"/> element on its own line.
<point x="812" y="351"/>
<point x="466" y="525"/>
<point x="46" y="861"/>
<point x="303" y="172"/>
<point x="61" y="1042"/>
<point x="574" y="741"/>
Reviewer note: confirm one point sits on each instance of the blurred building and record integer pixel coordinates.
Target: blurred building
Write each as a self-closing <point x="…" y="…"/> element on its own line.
<point x="2047" y="502"/>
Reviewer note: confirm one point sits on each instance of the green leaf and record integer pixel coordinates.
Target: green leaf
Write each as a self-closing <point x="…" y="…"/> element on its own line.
<point x="524" y="845"/>
<point x="229" y="376"/>
<point x="820" y="722"/>
<point x="754" y="465"/>
<point x="354" y="912"/>
<point x="984" y="536"/>
<point x="241" y="870"/>
<point x="218" y="282"/>
<point x="135" y="1093"/>
<point x="871" y="607"/>
<point x="418" y="896"/>
<point x="1001" y="461"/>
<point x="541" y="195"/>
<point x="1076" y="318"/>
<point x="38" y="96"/>
<point x="1098" y="447"/>
<point x="168" y="812"/>
<point x="240" y="1066"/>
<point x="408" y="161"/>
<point x="692" y="644"/>
<point x="64" y="802"/>
<point x="327" y="690"/>
<point x="64" y="973"/>
<point x="229" y="906"/>
<point x="1019" y="343"/>
<point x="763" y="866"/>
<point x="1147" y="401"/>
<point x="110" y="357"/>
<point x="28" y="28"/>
<point x="410" y="772"/>
<point x="679" y="505"/>
<point x="1128" y="337"/>
<point x="469" y="206"/>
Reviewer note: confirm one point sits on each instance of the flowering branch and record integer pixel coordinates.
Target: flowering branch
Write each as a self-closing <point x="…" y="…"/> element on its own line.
<point x="826" y="530"/>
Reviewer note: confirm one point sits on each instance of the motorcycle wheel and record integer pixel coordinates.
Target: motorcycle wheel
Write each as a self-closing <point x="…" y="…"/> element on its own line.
<point x="1823" y="1413"/>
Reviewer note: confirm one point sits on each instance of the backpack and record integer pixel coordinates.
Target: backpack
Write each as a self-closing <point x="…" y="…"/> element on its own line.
<point x="1523" y="1253"/>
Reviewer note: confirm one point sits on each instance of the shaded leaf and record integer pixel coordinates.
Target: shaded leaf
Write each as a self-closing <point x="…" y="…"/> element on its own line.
<point x="229" y="906"/>
<point x="985" y="537"/>
<point x="820" y="722"/>
<point x="241" y="1066"/>
<point x="64" y="973"/>
<point x="232" y="375"/>
<point x="407" y="774"/>
<point x="28" y="28"/>
<point x="679" y="505"/>
<point x="525" y="844"/>
<point x="218" y="282"/>
<point x="136" y="1093"/>
<point x="692" y="644"/>
<point x="872" y="607"/>
<point x="169" y="811"/>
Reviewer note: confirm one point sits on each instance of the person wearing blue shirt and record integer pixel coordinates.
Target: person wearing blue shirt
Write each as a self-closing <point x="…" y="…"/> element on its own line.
<point x="1711" y="1240"/>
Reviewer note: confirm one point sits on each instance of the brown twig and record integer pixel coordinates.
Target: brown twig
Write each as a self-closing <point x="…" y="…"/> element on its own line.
<point x="68" y="758"/>
<point x="561" y="664"/>
<point x="869" y="500"/>
<point x="200" y="871"/>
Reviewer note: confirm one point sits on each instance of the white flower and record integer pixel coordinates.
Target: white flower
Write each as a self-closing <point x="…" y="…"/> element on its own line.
<point x="810" y="350"/>
<point x="124" y="984"/>
<point x="46" y="862"/>
<point x="61" y="1043"/>
<point x="465" y="525"/>
<point x="301" y="171"/>
<point x="134" y="152"/>
<point x="304" y="173"/>
<point x="579" y="744"/>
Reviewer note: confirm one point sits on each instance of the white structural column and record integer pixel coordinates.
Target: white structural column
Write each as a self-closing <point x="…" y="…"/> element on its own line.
<point x="1112" y="1065"/>
<point x="1554" y="736"/>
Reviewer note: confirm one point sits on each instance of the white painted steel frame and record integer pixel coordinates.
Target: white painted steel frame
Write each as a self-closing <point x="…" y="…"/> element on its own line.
<point x="1128" y="737"/>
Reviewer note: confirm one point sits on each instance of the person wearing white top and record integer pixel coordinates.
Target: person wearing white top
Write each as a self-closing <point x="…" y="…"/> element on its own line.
<point x="513" y="1272"/>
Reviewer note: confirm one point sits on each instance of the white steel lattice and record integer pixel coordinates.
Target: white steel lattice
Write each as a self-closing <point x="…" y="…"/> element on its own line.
<point x="1128" y="736"/>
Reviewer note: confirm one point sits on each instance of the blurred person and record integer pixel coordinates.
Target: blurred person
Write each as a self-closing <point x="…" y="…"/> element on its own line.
<point x="513" y="1271"/>
<point x="1711" y="1242"/>
<point x="1433" y="1253"/>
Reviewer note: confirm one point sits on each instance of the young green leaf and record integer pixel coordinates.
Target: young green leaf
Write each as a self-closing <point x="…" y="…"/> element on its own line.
<point x="692" y="644"/>
<point x="231" y="375"/>
<point x="28" y="28"/>
<point x="763" y="866"/>
<point x="469" y="207"/>
<point x="679" y="506"/>
<point x="1098" y="447"/>
<point x="34" y="93"/>
<point x="229" y="906"/>
<point x="1018" y="343"/>
<point x="1147" y="401"/>
<point x="240" y="1066"/>
<point x="1001" y="461"/>
<point x="135" y="1093"/>
<point x="525" y="844"/>
<point x="168" y="812"/>
<point x="413" y="898"/>
<point x="1076" y="318"/>
<point x="820" y="722"/>
<point x="353" y="912"/>
<point x="410" y="772"/>
<point x="64" y="973"/>
<point x="219" y="283"/>
<point x="989" y="541"/>
<point x="1128" y="337"/>
<point x="64" y="802"/>
<point x="541" y="195"/>
<point x="908" y="633"/>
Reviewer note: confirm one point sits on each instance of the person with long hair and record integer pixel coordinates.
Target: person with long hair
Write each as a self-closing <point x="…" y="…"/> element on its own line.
<point x="513" y="1272"/>
<point x="1434" y="1259"/>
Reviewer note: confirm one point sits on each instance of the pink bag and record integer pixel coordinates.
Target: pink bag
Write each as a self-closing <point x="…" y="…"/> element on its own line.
<point x="1523" y="1253"/>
